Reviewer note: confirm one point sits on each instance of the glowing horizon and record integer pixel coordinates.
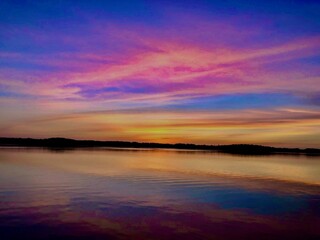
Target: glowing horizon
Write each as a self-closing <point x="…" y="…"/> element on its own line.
<point x="201" y="72"/>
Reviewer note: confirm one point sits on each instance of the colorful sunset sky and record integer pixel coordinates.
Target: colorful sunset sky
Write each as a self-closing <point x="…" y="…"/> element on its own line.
<point x="193" y="71"/>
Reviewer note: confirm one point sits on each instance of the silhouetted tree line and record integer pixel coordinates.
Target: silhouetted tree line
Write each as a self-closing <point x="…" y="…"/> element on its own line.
<point x="234" y="148"/>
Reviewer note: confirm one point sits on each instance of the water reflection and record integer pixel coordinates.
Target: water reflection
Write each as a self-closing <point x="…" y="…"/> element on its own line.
<point x="158" y="194"/>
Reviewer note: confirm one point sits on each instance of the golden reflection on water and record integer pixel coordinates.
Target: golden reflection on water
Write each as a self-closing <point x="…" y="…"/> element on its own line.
<point x="113" y="162"/>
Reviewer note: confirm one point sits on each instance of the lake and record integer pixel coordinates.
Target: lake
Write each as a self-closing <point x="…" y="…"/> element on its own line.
<point x="157" y="194"/>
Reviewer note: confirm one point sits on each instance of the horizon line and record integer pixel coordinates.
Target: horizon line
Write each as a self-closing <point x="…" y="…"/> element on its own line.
<point x="61" y="142"/>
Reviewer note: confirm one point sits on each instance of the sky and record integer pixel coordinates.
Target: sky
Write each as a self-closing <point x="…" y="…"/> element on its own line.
<point x="192" y="71"/>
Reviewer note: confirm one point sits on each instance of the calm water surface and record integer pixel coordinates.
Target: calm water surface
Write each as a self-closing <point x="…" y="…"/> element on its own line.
<point x="157" y="194"/>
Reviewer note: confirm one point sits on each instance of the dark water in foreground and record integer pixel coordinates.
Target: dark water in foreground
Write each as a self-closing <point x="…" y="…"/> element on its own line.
<point x="157" y="194"/>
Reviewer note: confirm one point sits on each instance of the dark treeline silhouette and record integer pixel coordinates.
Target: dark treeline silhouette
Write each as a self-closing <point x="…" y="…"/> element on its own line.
<point x="56" y="143"/>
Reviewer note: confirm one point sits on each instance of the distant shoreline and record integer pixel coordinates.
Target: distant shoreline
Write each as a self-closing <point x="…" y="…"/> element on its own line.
<point x="243" y="149"/>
